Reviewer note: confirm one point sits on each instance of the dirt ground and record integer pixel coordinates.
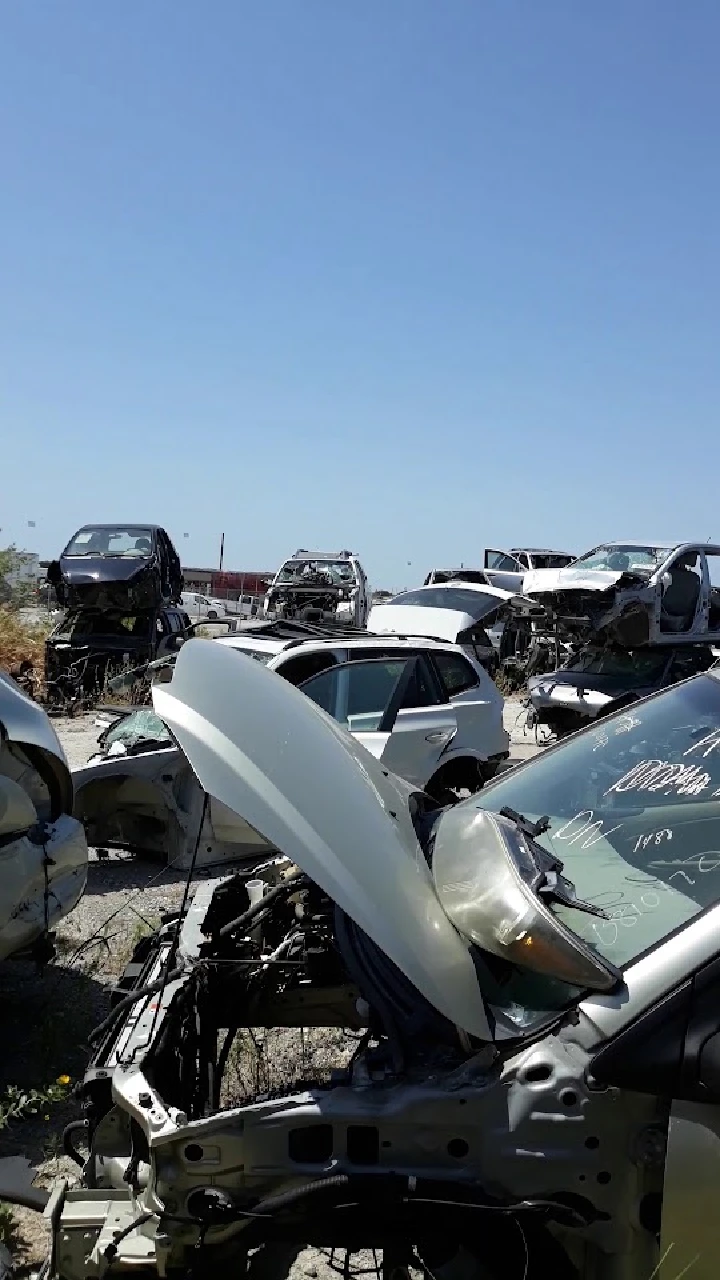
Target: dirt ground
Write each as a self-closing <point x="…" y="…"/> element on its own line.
<point x="52" y="1013"/>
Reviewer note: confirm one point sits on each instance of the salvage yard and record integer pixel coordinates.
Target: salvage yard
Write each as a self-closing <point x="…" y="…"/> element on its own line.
<point x="124" y="899"/>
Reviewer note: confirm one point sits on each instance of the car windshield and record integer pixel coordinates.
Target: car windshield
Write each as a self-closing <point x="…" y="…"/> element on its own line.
<point x="475" y="603"/>
<point x="634" y="817"/>
<point x="458" y="575"/>
<point x="140" y="726"/>
<point x="623" y="557"/>
<point x="334" y="571"/>
<point x="638" y="664"/>
<point x="112" y="540"/>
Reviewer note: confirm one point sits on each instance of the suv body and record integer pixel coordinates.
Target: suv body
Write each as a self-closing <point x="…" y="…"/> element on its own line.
<point x="452" y="695"/>
<point x="320" y="586"/>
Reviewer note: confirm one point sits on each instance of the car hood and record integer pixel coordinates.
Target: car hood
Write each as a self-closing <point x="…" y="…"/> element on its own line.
<point x="78" y="571"/>
<point x="270" y="754"/>
<point x="538" y="581"/>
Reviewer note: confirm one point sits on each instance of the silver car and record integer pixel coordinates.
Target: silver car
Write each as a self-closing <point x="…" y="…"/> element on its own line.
<point x="43" y="851"/>
<point x="529" y="981"/>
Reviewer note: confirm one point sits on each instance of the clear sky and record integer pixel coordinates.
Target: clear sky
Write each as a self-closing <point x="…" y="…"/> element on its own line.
<point x="413" y="277"/>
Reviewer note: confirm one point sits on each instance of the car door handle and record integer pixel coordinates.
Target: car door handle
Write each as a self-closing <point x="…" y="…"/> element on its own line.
<point x="439" y="735"/>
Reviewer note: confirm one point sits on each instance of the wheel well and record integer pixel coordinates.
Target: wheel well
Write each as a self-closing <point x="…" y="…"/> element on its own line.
<point x="461" y="772"/>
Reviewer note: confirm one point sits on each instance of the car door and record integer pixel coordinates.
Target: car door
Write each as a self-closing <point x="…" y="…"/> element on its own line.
<point x="503" y="570"/>
<point x="477" y="703"/>
<point x="393" y="707"/>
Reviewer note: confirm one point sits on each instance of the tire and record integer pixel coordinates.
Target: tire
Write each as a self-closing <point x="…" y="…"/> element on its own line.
<point x="212" y="615"/>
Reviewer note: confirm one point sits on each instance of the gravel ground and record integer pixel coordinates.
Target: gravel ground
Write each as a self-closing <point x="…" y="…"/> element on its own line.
<point x="55" y="1011"/>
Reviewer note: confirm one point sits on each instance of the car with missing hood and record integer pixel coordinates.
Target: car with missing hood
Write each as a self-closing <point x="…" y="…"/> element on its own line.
<point x="634" y="594"/>
<point x="88" y="647"/>
<point x="592" y="681"/>
<point x="126" y="567"/>
<point x="43" y="850"/>
<point x="529" y="989"/>
<point x="320" y="586"/>
<point x="425" y="709"/>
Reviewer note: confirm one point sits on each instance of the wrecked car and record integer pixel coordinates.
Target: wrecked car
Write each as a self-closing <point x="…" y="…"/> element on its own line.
<point x="594" y="679"/>
<point x="634" y="594"/>
<point x="507" y="569"/>
<point x="89" y="647"/>
<point x="43" y="851"/>
<point x="488" y="622"/>
<point x="320" y="586"/>
<point x="529" y="981"/>
<point x="117" y="566"/>
<point x="424" y="709"/>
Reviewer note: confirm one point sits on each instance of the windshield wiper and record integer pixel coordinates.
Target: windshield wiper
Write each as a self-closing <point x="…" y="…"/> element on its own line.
<point x="551" y="885"/>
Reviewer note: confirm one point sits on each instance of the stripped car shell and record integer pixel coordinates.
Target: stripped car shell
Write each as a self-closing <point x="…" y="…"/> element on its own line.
<point x="534" y="1094"/>
<point x="473" y="615"/>
<point x="43" y="851"/>
<point x="632" y="594"/>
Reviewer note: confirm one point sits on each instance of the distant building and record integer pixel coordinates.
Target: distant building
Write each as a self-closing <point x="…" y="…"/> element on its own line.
<point x="228" y="585"/>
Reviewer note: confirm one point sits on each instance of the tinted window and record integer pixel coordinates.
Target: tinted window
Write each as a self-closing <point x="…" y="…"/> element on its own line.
<point x="357" y="694"/>
<point x="456" y="673"/>
<point x="475" y="603"/>
<point x="502" y="561"/>
<point x="305" y="665"/>
<point x="634" y="817"/>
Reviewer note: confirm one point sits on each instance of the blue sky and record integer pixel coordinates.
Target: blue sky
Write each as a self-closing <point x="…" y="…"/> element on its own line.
<point x="410" y="277"/>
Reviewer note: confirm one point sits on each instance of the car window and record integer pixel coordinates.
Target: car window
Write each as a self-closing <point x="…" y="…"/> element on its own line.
<point x="357" y="694"/>
<point x="501" y="560"/>
<point x="304" y="665"/>
<point x="634" y="817"/>
<point x="456" y="673"/>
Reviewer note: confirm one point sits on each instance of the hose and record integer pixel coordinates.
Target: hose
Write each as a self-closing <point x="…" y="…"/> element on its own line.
<point x="286" y="886"/>
<point x="76" y="1126"/>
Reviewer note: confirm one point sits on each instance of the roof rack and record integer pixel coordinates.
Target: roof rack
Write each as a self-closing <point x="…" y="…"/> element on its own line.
<point x="321" y="555"/>
<point x="298" y="632"/>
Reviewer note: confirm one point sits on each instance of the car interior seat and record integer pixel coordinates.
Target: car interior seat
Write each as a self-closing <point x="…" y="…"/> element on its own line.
<point x="681" y="595"/>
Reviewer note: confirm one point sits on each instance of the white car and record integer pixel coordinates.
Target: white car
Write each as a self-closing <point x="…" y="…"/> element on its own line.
<point x="634" y="594"/>
<point x="43" y="850"/>
<point x="199" y="606"/>
<point x="320" y="586"/>
<point x="425" y="708"/>
<point x="534" y="975"/>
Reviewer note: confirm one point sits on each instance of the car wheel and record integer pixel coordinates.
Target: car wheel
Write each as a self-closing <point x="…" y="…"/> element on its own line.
<point x="212" y="615"/>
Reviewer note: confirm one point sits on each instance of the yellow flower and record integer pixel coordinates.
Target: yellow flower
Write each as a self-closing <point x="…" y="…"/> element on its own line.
<point x="46" y="1117"/>
<point x="63" y="1079"/>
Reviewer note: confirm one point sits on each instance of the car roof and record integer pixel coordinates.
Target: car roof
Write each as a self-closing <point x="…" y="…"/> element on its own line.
<point x="121" y="524"/>
<point x="482" y="588"/>
<point x="542" y="551"/>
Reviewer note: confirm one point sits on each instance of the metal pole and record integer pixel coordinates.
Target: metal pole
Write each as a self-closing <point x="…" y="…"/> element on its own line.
<point x="222" y="550"/>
